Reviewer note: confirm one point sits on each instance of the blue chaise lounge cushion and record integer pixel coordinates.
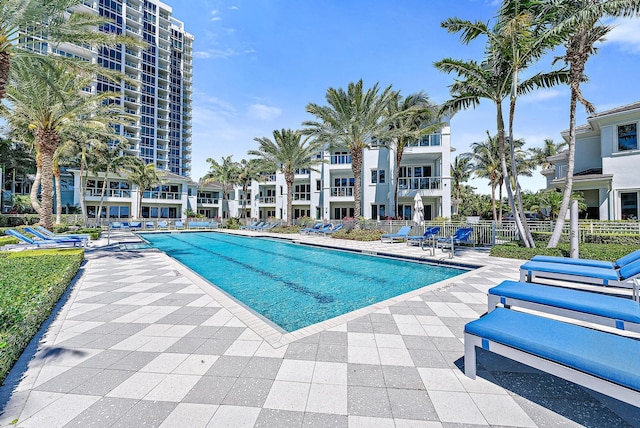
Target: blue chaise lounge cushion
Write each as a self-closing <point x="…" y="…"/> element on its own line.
<point x="617" y="308"/>
<point x="587" y="271"/>
<point x="630" y="270"/>
<point x="600" y="354"/>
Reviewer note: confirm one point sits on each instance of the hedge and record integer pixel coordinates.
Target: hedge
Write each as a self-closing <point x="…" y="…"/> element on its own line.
<point x="359" y="235"/>
<point x="8" y="240"/>
<point x="601" y="238"/>
<point x="31" y="283"/>
<point x="608" y="252"/>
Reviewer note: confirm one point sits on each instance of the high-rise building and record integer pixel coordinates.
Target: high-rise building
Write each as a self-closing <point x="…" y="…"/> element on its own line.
<point x="159" y="87"/>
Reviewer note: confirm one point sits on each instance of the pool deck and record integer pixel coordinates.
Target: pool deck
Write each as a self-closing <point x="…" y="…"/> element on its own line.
<point x="139" y="340"/>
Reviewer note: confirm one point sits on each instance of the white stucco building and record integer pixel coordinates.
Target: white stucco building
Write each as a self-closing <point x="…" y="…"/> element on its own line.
<point x="606" y="158"/>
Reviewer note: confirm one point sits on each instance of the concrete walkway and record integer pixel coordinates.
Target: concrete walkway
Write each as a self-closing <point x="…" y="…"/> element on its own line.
<point x="142" y="341"/>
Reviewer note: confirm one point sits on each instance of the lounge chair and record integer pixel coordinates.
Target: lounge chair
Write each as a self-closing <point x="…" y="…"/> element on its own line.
<point x="68" y="239"/>
<point x="135" y="225"/>
<point x="325" y="228"/>
<point x="150" y="225"/>
<point x="616" y="277"/>
<point x="600" y="361"/>
<point x="51" y="235"/>
<point x="461" y="236"/>
<point x="116" y="225"/>
<point x="617" y="312"/>
<point x="178" y="224"/>
<point x="255" y="223"/>
<point x="257" y="226"/>
<point x="162" y="225"/>
<point x="43" y="242"/>
<point x="621" y="262"/>
<point x="429" y="235"/>
<point x="334" y="230"/>
<point x="270" y="226"/>
<point x="401" y="235"/>
<point x="315" y="228"/>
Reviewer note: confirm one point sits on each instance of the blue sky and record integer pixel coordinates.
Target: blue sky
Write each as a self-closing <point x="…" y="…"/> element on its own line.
<point x="258" y="63"/>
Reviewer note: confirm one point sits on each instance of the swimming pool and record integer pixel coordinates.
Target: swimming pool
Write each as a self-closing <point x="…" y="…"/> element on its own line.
<point x="295" y="285"/>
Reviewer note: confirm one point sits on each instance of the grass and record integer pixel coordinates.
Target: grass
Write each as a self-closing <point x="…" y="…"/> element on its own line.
<point x="31" y="283"/>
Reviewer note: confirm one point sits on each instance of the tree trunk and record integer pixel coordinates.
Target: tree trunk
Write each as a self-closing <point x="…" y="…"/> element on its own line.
<point x="288" y="178"/>
<point x="83" y="186"/>
<point x="493" y="200"/>
<point x="56" y="174"/>
<point x="500" y="201"/>
<point x="356" y="167"/>
<point x="396" y="174"/>
<point x="103" y="191"/>
<point x="244" y="201"/>
<point x="46" y="219"/>
<point x="4" y="73"/>
<point x="33" y="196"/>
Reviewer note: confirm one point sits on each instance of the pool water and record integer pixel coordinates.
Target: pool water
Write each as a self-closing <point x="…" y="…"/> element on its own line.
<point x="295" y="285"/>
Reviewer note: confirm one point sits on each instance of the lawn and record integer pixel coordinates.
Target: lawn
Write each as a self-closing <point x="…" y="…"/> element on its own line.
<point x="31" y="283"/>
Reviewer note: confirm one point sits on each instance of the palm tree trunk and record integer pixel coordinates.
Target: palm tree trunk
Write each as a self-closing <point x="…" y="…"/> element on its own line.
<point x="356" y="167"/>
<point x="46" y="219"/>
<point x="56" y="174"/>
<point x="83" y="186"/>
<point x="244" y="201"/>
<point x="4" y="73"/>
<point x="288" y="178"/>
<point x="33" y="195"/>
<point x="493" y="200"/>
<point x="396" y="175"/>
<point x="103" y="190"/>
<point x="141" y="192"/>
<point x="500" y="201"/>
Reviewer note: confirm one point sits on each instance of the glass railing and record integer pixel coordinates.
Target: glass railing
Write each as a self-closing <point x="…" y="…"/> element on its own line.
<point x="302" y="171"/>
<point x="267" y="200"/>
<point x="301" y="196"/>
<point x="340" y="159"/>
<point x="161" y="195"/>
<point x="213" y="201"/>
<point x="434" y="183"/>
<point x="342" y="191"/>
<point x="430" y="140"/>
<point x="109" y="193"/>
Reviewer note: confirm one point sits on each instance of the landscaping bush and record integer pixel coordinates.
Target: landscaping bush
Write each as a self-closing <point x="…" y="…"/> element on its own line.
<point x="515" y="251"/>
<point x="611" y="238"/>
<point x="95" y="232"/>
<point x="232" y="223"/>
<point x="607" y="252"/>
<point x="359" y="235"/>
<point x="285" y="229"/>
<point x="31" y="283"/>
<point x="8" y="240"/>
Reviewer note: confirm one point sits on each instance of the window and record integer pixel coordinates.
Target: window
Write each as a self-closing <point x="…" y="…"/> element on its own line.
<point x="374" y="176"/>
<point x="378" y="211"/>
<point x="381" y="176"/>
<point x="629" y="205"/>
<point x="627" y="137"/>
<point x="318" y="185"/>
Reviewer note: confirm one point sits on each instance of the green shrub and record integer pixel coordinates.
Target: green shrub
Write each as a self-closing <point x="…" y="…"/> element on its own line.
<point x="95" y="232"/>
<point x="31" y="283"/>
<point x="608" y="252"/>
<point x="8" y="240"/>
<point x="232" y="223"/>
<point x="514" y="251"/>
<point x="285" y="229"/>
<point x="613" y="238"/>
<point x="359" y="235"/>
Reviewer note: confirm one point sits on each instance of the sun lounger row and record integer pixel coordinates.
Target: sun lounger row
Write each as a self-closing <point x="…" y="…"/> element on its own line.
<point x="163" y="225"/>
<point x="600" y="360"/>
<point x="58" y="241"/>
<point x="322" y="229"/>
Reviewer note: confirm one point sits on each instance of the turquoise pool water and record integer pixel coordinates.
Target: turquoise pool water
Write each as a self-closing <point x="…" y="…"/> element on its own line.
<point x="295" y="285"/>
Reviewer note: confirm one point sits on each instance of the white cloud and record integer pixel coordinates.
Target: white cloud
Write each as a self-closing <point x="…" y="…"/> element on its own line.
<point x="263" y="112"/>
<point x="542" y="95"/>
<point x="221" y="53"/>
<point x="234" y="8"/>
<point x="214" y="16"/>
<point x="626" y="34"/>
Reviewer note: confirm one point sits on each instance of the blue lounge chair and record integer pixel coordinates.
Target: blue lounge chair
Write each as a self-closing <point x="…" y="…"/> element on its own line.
<point x="68" y="239"/>
<point x="325" y="228"/>
<point x="270" y="226"/>
<point x="257" y="226"/>
<point x="116" y="225"/>
<point x="315" y="228"/>
<point x="592" y="358"/>
<point x="255" y="223"/>
<point x="401" y="235"/>
<point x="51" y="235"/>
<point x="621" y="262"/>
<point x="611" y="311"/>
<point x="178" y="224"/>
<point x="135" y="225"/>
<point x="334" y="230"/>
<point x="150" y="225"/>
<point x="162" y="225"/>
<point x="616" y="277"/>
<point x="43" y="242"/>
<point x="461" y="236"/>
<point x="429" y="235"/>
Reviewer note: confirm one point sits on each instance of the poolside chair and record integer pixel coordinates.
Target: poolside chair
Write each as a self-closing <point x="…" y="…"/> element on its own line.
<point x="255" y="223"/>
<point x="334" y="230"/>
<point x="270" y="226"/>
<point x="615" y="277"/>
<point x="610" y="311"/>
<point x="461" y="236"/>
<point x="325" y="228"/>
<point x="429" y="235"/>
<point x="135" y="225"/>
<point x="150" y="225"/>
<point x="401" y="235"/>
<point x="621" y="262"/>
<point x="68" y="239"/>
<point x="116" y="225"/>
<point x="52" y="235"/>
<point x="178" y="224"/>
<point x="315" y="228"/>
<point x="162" y="225"/>
<point x="592" y="358"/>
<point x="257" y="226"/>
<point x="43" y="242"/>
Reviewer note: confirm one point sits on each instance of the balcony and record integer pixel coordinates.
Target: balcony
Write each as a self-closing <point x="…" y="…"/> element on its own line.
<point x="268" y="200"/>
<point x="340" y="159"/>
<point x="208" y="201"/>
<point x="302" y="172"/>
<point x="161" y="195"/>
<point x="431" y="140"/>
<point x="301" y="196"/>
<point x="430" y="183"/>
<point x="268" y="178"/>
<point x="109" y="193"/>
<point x="341" y="191"/>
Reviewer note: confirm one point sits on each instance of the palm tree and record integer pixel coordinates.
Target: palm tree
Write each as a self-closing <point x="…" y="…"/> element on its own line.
<point x="461" y="171"/>
<point x="350" y="121"/>
<point x="145" y="177"/>
<point x="485" y="156"/>
<point x="25" y="23"/>
<point x="110" y="159"/>
<point x="248" y="171"/>
<point x="16" y="160"/>
<point x="579" y="23"/>
<point x="46" y="104"/>
<point x="226" y="174"/>
<point x="409" y="119"/>
<point x="288" y="152"/>
<point x="539" y="155"/>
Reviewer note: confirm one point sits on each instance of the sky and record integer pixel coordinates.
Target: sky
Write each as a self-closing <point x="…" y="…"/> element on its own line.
<point x="258" y="63"/>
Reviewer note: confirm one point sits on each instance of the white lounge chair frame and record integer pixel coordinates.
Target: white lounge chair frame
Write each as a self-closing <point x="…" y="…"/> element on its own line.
<point x="471" y="341"/>
<point x="532" y="275"/>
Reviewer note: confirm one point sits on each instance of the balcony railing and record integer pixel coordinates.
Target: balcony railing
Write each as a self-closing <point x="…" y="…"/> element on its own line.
<point x="109" y="193"/>
<point x="302" y="171"/>
<point x="212" y="201"/>
<point x="271" y="177"/>
<point x="301" y="196"/>
<point x="161" y="195"/>
<point x="340" y="159"/>
<point x="342" y="191"/>
<point x="434" y="183"/>
<point x="267" y="200"/>
<point x="430" y="140"/>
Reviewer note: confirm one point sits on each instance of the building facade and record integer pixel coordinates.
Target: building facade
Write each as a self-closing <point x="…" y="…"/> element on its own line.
<point x="606" y="156"/>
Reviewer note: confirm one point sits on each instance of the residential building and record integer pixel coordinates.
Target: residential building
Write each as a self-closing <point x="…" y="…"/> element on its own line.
<point x="606" y="156"/>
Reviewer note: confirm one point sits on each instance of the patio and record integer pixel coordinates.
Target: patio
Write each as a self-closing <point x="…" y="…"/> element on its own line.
<point x="141" y="341"/>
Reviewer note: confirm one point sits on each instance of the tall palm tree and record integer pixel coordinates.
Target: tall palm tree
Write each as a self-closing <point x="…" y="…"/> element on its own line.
<point x="539" y="155"/>
<point x="578" y="22"/>
<point x="461" y="171"/>
<point x="226" y="174"/>
<point x="485" y="156"/>
<point x="144" y="176"/>
<point x="287" y="152"/>
<point x="25" y="23"/>
<point x="350" y="121"/>
<point x="410" y="118"/>
<point x="46" y="103"/>
<point x="110" y="160"/>
<point x="248" y="171"/>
